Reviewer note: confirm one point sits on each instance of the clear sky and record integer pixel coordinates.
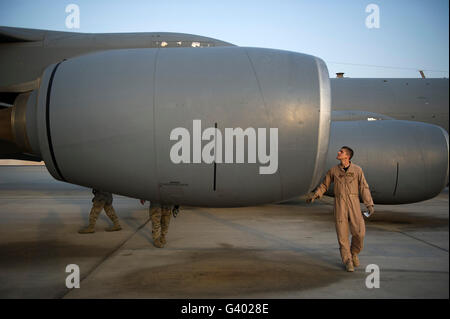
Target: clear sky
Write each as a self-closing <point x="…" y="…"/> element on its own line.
<point x="412" y="34"/>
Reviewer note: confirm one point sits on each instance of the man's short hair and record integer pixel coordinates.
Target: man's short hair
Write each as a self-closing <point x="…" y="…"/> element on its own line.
<point x="349" y="151"/>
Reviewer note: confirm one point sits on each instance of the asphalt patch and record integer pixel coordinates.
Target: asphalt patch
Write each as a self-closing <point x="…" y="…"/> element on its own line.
<point x="228" y="273"/>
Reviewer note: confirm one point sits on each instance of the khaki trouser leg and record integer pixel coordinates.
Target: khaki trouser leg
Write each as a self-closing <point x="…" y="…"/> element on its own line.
<point x="111" y="213"/>
<point x="95" y="212"/>
<point x="342" y="228"/>
<point x="155" y="213"/>
<point x="357" y="227"/>
<point x="109" y="210"/>
<point x="93" y="216"/>
<point x="165" y="220"/>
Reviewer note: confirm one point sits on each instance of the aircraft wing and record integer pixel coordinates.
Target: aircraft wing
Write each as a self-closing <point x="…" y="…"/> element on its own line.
<point x="201" y="122"/>
<point x="27" y="52"/>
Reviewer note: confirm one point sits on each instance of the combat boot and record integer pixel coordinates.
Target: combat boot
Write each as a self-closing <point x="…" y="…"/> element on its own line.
<point x="349" y="266"/>
<point x="109" y="210"/>
<point x="355" y="260"/>
<point x="88" y="230"/>
<point x="162" y="239"/>
<point x="157" y="243"/>
<point x="114" y="227"/>
<point x="93" y="215"/>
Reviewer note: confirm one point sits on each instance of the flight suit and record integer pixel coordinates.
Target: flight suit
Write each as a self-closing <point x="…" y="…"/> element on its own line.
<point x="101" y="200"/>
<point x="348" y="186"/>
<point x="160" y="215"/>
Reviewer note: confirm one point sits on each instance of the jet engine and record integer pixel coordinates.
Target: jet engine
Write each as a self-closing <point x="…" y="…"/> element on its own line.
<point x="224" y="126"/>
<point x="403" y="161"/>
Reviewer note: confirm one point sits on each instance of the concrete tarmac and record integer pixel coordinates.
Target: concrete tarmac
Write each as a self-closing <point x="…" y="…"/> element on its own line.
<point x="286" y="250"/>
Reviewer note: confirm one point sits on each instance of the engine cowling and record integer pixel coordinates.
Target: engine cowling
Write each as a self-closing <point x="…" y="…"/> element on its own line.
<point x="105" y="120"/>
<point x="403" y="161"/>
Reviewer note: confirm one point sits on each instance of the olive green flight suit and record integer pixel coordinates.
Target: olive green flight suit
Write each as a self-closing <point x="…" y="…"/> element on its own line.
<point x="348" y="186"/>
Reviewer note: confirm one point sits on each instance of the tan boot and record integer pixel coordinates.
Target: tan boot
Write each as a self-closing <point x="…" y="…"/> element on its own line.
<point x="162" y="239"/>
<point x="157" y="243"/>
<point x="114" y="227"/>
<point x="93" y="215"/>
<point x="355" y="260"/>
<point x="88" y="230"/>
<point x="349" y="266"/>
<point x="109" y="210"/>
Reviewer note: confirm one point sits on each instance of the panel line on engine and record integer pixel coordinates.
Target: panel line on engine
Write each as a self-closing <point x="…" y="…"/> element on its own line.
<point x="396" y="182"/>
<point x="215" y="154"/>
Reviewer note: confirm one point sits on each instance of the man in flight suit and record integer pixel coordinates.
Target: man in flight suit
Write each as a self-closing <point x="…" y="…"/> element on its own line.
<point x="349" y="184"/>
<point x="101" y="200"/>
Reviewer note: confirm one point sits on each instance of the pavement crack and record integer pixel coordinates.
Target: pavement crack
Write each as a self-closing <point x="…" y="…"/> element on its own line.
<point x="410" y="236"/>
<point x="107" y="256"/>
<point x="423" y="241"/>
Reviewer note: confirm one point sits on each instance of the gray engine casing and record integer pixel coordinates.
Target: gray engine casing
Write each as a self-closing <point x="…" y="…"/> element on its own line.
<point x="403" y="161"/>
<point x="103" y="120"/>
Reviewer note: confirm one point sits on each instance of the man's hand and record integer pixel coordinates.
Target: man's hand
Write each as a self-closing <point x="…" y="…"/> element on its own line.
<point x="371" y="210"/>
<point x="311" y="197"/>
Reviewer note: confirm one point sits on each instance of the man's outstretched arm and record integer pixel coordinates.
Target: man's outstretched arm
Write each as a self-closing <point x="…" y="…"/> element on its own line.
<point x="322" y="188"/>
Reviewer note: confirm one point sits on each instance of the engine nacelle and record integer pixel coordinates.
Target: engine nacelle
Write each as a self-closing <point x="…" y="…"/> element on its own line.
<point x="403" y="161"/>
<point x="110" y="120"/>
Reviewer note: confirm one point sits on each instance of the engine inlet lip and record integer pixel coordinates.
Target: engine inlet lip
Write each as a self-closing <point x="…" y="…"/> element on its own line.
<point x="47" y="122"/>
